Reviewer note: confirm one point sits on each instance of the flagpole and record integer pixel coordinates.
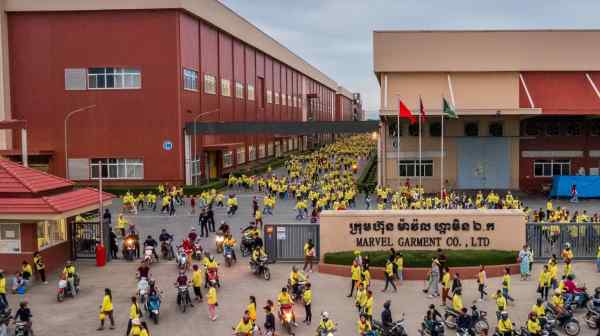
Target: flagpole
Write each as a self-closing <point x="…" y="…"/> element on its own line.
<point x="442" y="158"/>
<point x="398" y="148"/>
<point x="420" y="154"/>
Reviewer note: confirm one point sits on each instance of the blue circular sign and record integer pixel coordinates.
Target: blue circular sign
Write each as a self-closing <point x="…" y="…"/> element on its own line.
<point x="167" y="145"/>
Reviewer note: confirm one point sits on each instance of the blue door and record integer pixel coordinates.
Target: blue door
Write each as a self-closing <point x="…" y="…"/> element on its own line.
<point x="483" y="163"/>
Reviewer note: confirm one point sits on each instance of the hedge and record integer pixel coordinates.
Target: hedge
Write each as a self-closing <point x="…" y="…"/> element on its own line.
<point x="456" y="258"/>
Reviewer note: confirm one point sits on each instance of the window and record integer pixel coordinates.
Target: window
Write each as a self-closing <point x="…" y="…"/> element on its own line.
<point x="190" y="80"/>
<point x="471" y="129"/>
<point x="10" y="238"/>
<point x="50" y="233"/>
<point x="250" y="90"/>
<point x="496" y="129"/>
<point x="251" y="152"/>
<point x="239" y="90"/>
<point x="270" y="149"/>
<point x="435" y="129"/>
<point x="261" y="151"/>
<point x="269" y="97"/>
<point x="210" y="84"/>
<point x="552" y="129"/>
<point x="114" y="78"/>
<point x="241" y="155"/>
<point x="549" y="168"/>
<point x="289" y="100"/>
<point x="595" y="128"/>
<point x="132" y="169"/>
<point x="225" y="87"/>
<point x="574" y="129"/>
<point x="294" y="101"/>
<point x="290" y="145"/>
<point x="413" y="129"/>
<point x="277" y="149"/>
<point x="196" y="172"/>
<point x="227" y="159"/>
<point x="283" y="99"/>
<point x="276" y="98"/>
<point x="410" y="168"/>
<point x="75" y="79"/>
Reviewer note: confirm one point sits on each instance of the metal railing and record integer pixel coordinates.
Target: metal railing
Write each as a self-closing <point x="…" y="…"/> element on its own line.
<point x="547" y="239"/>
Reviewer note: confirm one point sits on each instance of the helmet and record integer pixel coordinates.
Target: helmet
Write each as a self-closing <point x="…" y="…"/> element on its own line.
<point x="567" y="245"/>
<point x="532" y="315"/>
<point x="222" y="222"/>
<point x="539" y="301"/>
<point x="294" y="269"/>
<point x="387" y="304"/>
<point x="557" y="291"/>
<point x="325" y="315"/>
<point x="69" y="262"/>
<point x="431" y="306"/>
<point x="503" y="315"/>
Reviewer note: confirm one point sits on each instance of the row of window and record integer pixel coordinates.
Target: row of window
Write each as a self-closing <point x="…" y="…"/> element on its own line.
<point x="103" y="78"/>
<point x="49" y="233"/>
<point x="264" y="150"/>
<point x="557" y="127"/>
<point x="124" y="169"/>
<point x="495" y="129"/>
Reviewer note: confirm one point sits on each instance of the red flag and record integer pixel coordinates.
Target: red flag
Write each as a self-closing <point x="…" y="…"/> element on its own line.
<point x="422" y="110"/>
<point x="404" y="112"/>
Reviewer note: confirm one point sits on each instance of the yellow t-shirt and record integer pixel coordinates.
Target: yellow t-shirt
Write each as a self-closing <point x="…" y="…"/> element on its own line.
<point x="197" y="278"/>
<point x="364" y="327"/>
<point x="457" y="303"/>
<point x="251" y="308"/>
<point x="133" y="312"/>
<point x="539" y="310"/>
<point x="505" y="325"/>
<point x="3" y="286"/>
<point x="506" y="281"/>
<point x="284" y="298"/>
<point x="212" y="296"/>
<point x="446" y="280"/>
<point x="533" y="326"/>
<point x="369" y="306"/>
<point x="307" y="296"/>
<point x="107" y="305"/>
<point x="389" y="269"/>
<point x="244" y="327"/>
<point x="501" y="302"/>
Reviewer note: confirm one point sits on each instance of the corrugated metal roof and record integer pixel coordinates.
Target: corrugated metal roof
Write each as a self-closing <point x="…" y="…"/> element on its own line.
<point x="15" y="178"/>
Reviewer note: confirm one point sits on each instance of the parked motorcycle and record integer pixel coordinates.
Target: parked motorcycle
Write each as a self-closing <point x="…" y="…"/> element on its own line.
<point x="21" y="328"/>
<point x="579" y="300"/>
<point x="261" y="267"/>
<point x="228" y="255"/>
<point x="5" y="317"/>
<point x="219" y="239"/>
<point x="153" y="307"/>
<point x="397" y="328"/>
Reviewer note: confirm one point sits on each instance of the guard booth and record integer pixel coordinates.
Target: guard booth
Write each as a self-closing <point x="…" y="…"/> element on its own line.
<point x="547" y="239"/>
<point x="285" y="242"/>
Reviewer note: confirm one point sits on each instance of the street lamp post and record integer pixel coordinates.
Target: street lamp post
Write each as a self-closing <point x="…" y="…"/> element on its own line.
<point x="196" y="139"/>
<point x="69" y="115"/>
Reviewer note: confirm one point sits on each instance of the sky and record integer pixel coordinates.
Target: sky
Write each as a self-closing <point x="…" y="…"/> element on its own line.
<point x="336" y="35"/>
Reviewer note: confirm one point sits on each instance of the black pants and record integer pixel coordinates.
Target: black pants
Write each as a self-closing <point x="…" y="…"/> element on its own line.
<point x="113" y="251"/>
<point x="308" y="313"/>
<point x="389" y="280"/>
<point x="203" y="230"/>
<point x="42" y="273"/>
<point x="211" y="224"/>
<point x="482" y="291"/>
<point x="3" y="299"/>
<point x="352" y="285"/>
<point x="544" y="292"/>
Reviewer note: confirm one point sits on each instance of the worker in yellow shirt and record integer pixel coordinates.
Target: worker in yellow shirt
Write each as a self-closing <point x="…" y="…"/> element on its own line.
<point x="136" y="328"/>
<point x="326" y="325"/>
<point x="457" y="302"/>
<point x="3" y="288"/>
<point x="251" y="309"/>
<point x="545" y="282"/>
<point x="533" y="325"/>
<point x="506" y="285"/>
<point x="366" y="277"/>
<point x="445" y="285"/>
<point x="285" y="301"/>
<point x="245" y="327"/>
<point x="212" y="301"/>
<point x="389" y="274"/>
<point x="121" y="224"/>
<point x="258" y="218"/>
<point x="538" y="308"/>
<point x="134" y="314"/>
<point x="505" y="325"/>
<point x="355" y="271"/>
<point x="500" y="303"/>
<point x="364" y="326"/>
<point x="368" y="309"/>
<point x="106" y="310"/>
<point x="598" y="260"/>
<point x="307" y="298"/>
<point x="197" y="282"/>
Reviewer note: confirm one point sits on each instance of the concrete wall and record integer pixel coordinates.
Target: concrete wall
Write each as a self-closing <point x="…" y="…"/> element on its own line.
<point x="421" y="230"/>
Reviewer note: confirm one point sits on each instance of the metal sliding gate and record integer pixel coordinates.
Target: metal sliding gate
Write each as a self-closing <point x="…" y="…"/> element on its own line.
<point x="85" y="236"/>
<point x="547" y="239"/>
<point x="285" y="242"/>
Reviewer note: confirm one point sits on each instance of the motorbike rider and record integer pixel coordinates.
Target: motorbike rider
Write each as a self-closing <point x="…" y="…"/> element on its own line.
<point x="224" y="228"/>
<point x="294" y="281"/>
<point x="182" y="281"/>
<point x="245" y="326"/>
<point x="269" y="320"/>
<point x="151" y="242"/>
<point x="285" y="300"/>
<point x="23" y="314"/>
<point x="364" y="326"/>
<point x="465" y="322"/>
<point x="131" y="240"/>
<point x="558" y="304"/>
<point x="326" y="325"/>
<point x="192" y="236"/>
<point x="386" y="315"/>
<point x="212" y="265"/>
<point x="70" y="274"/>
<point x="431" y="319"/>
<point x="230" y="242"/>
<point x="143" y="271"/>
<point x="505" y="325"/>
<point x="153" y="288"/>
<point x="165" y="239"/>
<point x="533" y="325"/>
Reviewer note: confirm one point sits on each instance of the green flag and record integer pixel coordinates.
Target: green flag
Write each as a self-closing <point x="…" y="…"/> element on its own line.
<point x="448" y="110"/>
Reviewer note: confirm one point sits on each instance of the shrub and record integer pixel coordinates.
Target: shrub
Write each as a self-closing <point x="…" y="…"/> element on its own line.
<point x="456" y="258"/>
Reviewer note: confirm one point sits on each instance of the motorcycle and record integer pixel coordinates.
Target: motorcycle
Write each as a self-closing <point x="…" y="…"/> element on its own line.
<point x="153" y="307"/>
<point x="547" y="330"/>
<point x="397" y="328"/>
<point x="64" y="288"/>
<point x="478" y="317"/>
<point x="450" y="317"/>
<point x="198" y="252"/>
<point x="21" y="328"/>
<point x="261" y="267"/>
<point x="568" y="323"/>
<point x="219" y="241"/>
<point x="592" y="316"/>
<point x="228" y="254"/>
<point x="149" y="254"/>
<point x="213" y="277"/>
<point x="166" y="250"/>
<point x="579" y="300"/>
<point x="182" y="260"/>
<point x="296" y="295"/>
<point x="183" y="298"/>
<point x="437" y="326"/>
<point x="5" y="317"/>
<point x="142" y="290"/>
<point x="129" y="249"/>
<point x="286" y="317"/>
<point x="247" y="244"/>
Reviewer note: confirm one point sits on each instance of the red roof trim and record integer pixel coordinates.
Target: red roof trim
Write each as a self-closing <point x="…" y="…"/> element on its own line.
<point x="16" y="178"/>
<point x="56" y="204"/>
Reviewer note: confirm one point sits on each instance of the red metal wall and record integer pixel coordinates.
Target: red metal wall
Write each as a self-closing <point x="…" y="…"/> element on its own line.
<point x="125" y="123"/>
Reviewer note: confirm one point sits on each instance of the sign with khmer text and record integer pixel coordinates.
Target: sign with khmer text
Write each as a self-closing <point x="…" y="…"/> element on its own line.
<point x="421" y="230"/>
